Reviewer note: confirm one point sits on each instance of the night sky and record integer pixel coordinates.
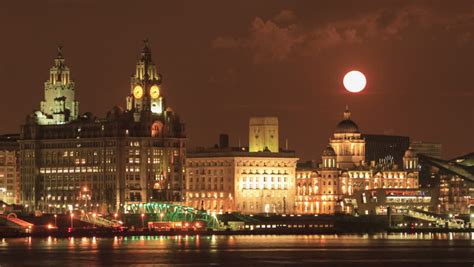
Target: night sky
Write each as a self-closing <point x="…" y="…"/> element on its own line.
<point x="224" y="61"/>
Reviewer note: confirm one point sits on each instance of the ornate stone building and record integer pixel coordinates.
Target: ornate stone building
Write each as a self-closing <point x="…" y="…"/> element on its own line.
<point x="59" y="105"/>
<point x="9" y="169"/>
<point x="234" y="179"/>
<point x="327" y="188"/>
<point x="134" y="155"/>
<point x="348" y="143"/>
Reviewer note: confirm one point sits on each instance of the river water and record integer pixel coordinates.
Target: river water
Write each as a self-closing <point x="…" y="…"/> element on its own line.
<point x="456" y="249"/>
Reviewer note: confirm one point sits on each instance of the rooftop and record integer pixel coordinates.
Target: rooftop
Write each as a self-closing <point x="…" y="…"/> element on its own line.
<point x="202" y="152"/>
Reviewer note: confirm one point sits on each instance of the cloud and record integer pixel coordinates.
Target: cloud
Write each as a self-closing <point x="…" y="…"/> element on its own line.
<point x="285" y="16"/>
<point x="271" y="41"/>
<point x="280" y="38"/>
<point x="267" y="40"/>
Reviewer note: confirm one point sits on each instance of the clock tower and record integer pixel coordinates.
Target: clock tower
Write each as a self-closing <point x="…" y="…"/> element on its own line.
<point x="145" y="97"/>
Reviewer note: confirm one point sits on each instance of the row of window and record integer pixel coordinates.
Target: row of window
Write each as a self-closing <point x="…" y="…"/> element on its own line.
<point x="93" y="169"/>
<point x="204" y="187"/>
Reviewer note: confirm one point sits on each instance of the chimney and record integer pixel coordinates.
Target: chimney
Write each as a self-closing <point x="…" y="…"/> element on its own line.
<point x="223" y="141"/>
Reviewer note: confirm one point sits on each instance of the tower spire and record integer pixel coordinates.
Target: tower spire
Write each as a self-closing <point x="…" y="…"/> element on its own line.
<point x="60" y="51"/>
<point x="145" y="42"/>
<point x="347" y="113"/>
<point x="146" y="54"/>
<point x="145" y="93"/>
<point x="59" y="105"/>
<point x="59" y="60"/>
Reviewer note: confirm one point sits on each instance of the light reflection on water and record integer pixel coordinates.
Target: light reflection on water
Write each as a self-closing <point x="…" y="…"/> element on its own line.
<point x="263" y="249"/>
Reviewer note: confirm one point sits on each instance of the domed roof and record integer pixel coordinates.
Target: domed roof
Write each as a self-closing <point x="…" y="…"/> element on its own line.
<point x="409" y="153"/>
<point x="329" y="152"/>
<point x="347" y="125"/>
<point x="117" y="110"/>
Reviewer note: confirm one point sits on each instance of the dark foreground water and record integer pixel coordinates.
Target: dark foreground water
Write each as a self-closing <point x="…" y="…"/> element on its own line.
<point x="259" y="250"/>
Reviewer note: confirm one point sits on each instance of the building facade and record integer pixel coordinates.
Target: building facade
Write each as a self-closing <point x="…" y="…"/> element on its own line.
<point x="329" y="187"/>
<point x="453" y="179"/>
<point x="246" y="182"/>
<point x="9" y="169"/>
<point x="134" y="155"/>
<point x="234" y="179"/>
<point x="378" y="201"/>
<point x="348" y="143"/>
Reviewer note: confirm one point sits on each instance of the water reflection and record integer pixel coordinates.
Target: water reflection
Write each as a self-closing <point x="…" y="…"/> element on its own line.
<point x="237" y="249"/>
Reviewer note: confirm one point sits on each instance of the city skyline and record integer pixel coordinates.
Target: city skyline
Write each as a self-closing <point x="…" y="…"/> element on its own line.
<point x="269" y="132"/>
<point x="231" y="66"/>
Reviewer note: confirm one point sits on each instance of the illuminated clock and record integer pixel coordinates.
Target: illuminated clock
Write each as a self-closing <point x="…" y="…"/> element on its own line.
<point x="138" y="92"/>
<point x="155" y="91"/>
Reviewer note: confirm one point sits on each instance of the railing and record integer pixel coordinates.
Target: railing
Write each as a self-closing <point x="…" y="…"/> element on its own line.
<point x="451" y="223"/>
<point x="170" y="212"/>
<point x="99" y="221"/>
<point x="12" y="220"/>
<point x="425" y="217"/>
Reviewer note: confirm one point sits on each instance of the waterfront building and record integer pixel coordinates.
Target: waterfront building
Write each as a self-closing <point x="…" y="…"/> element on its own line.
<point x="133" y="155"/>
<point x="234" y="179"/>
<point x="329" y="187"/>
<point x="9" y="169"/>
<point x="400" y="201"/>
<point x="348" y="143"/>
<point x="454" y="181"/>
<point x="428" y="178"/>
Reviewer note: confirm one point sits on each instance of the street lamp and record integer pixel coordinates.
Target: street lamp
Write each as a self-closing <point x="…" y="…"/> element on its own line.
<point x="93" y="221"/>
<point x="72" y="216"/>
<point x="86" y="196"/>
<point x="56" y="220"/>
<point x="143" y="221"/>
<point x="115" y="216"/>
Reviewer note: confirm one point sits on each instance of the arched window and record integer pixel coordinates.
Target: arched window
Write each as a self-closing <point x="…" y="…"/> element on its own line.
<point x="156" y="129"/>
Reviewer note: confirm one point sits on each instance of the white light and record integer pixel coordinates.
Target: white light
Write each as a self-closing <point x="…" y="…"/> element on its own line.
<point x="354" y="81"/>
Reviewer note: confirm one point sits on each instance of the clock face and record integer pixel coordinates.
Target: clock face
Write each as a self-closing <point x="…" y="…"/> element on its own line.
<point x="155" y="91"/>
<point x="138" y="92"/>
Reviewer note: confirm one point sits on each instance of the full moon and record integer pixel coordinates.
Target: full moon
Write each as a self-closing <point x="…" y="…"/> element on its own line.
<point x="354" y="81"/>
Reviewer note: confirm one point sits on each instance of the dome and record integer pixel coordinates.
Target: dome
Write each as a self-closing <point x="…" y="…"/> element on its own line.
<point x="329" y="152"/>
<point x="347" y="125"/>
<point x="117" y="110"/>
<point x="409" y="153"/>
